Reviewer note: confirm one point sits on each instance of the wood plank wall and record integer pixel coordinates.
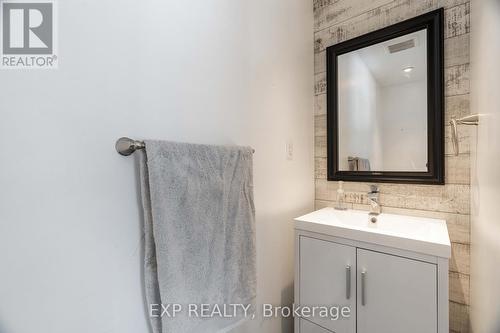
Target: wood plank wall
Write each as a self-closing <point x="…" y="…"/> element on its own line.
<point x="339" y="20"/>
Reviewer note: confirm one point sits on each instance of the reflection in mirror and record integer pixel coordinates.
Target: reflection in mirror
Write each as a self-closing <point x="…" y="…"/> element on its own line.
<point x="382" y="106"/>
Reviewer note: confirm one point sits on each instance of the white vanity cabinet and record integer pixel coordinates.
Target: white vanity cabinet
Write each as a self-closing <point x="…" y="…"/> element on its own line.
<point x="388" y="289"/>
<point x="328" y="276"/>
<point x="395" y="294"/>
<point x="307" y="326"/>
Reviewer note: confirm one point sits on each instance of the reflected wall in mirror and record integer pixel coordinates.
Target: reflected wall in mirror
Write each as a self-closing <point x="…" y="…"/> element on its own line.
<point x="385" y="111"/>
<point x="383" y="106"/>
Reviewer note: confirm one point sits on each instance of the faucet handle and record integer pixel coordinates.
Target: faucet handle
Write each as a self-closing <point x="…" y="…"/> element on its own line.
<point x="374" y="189"/>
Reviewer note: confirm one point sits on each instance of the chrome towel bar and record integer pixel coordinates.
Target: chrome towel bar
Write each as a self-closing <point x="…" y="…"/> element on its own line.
<point x="126" y="146"/>
<point x="467" y="120"/>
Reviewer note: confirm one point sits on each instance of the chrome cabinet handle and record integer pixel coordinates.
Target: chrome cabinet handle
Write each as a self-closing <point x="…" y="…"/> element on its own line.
<point x="348" y="282"/>
<point x="363" y="288"/>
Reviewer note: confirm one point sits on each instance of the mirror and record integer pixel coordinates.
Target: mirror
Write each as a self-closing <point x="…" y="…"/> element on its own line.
<point x="383" y="106"/>
<point x="385" y="111"/>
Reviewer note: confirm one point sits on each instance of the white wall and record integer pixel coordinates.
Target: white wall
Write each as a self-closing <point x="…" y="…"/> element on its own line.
<point x="358" y="130"/>
<point x="403" y="124"/>
<point x="485" y="174"/>
<point x="205" y="71"/>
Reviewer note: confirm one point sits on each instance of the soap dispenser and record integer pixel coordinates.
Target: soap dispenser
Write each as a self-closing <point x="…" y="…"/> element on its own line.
<point x="340" y="205"/>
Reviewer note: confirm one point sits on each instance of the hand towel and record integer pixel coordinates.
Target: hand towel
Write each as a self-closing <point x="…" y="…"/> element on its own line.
<point x="358" y="164"/>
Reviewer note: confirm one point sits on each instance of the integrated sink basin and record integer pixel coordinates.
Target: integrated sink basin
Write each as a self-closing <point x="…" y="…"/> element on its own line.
<point x="417" y="234"/>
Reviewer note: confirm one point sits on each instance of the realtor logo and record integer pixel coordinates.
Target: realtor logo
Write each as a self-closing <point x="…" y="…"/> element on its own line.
<point x="28" y="30"/>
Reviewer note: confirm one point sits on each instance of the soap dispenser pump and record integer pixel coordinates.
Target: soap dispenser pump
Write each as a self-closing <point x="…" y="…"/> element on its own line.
<point x="340" y="205"/>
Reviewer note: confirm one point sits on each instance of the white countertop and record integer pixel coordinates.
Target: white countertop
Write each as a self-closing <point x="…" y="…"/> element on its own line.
<point x="417" y="234"/>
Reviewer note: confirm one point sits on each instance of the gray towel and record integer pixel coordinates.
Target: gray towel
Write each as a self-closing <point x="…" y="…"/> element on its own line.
<point x="199" y="232"/>
<point x="363" y="164"/>
<point x="358" y="164"/>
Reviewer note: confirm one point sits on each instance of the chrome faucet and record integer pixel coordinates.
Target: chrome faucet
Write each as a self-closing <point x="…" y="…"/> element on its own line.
<point x="374" y="198"/>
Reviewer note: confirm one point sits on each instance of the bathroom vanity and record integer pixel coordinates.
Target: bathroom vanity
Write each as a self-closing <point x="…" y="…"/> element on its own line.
<point x="392" y="274"/>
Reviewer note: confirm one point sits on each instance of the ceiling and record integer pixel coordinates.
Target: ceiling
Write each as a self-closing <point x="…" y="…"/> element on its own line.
<point x="387" y="68"/>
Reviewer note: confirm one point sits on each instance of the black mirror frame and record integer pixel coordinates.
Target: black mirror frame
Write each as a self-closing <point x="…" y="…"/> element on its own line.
<point x="434" y="23"/>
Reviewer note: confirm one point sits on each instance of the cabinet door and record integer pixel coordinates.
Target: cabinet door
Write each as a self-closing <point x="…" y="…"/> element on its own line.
<point x="395" y="294"/>
<point x="327" y="277"/>
<point x="307" y="327"/>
